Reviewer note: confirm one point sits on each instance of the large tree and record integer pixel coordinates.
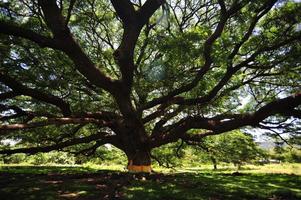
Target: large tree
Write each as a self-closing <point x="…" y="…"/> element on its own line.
<point x="139" y="74"/>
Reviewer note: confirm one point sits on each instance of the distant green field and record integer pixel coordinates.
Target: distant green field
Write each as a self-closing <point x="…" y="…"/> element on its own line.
<point x="276" y="182"/>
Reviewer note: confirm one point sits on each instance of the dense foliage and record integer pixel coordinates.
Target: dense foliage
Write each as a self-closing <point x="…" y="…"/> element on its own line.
<point x="75" y="75"/>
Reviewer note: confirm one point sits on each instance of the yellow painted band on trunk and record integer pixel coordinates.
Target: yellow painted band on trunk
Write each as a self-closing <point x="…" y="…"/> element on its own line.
<point x="139" y="168"/>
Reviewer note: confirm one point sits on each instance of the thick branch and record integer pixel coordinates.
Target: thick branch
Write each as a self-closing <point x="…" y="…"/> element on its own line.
<point x="125" y="53"/>
<point x="133" y="22"/>
<point x="72" y="2"/>
<point x="63" y="41"/>
<point x="231" y="71"/>
<point x="56" y="22"/>
<point x="53" y="18"/>
<point x="8" y="95"/>
<point x="59" y="146"/>
<point x="148" y="9"/>
<point x="18" y="112"/>
<point x="9" y="28"/>
<point x="103" y="118"/>
<point x="125" y="10"/>
<point x="281" y="106"/>
<point x="50" y="121"/>
<point x="264" y="10"/>
<point x="208" y="61"/>
<point x="19" y="88"/>
<point x="221" y="124"/>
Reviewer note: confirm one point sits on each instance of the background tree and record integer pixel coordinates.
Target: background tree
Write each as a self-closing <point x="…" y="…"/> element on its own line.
<point x="139" y="74"/>
<point x="234" y="147"/>
<point x="238" y="148"/>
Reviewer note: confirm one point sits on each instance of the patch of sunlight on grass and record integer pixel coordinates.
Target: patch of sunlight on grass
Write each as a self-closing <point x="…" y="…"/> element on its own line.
<point x="104" y="167"/>
<point x="169" y="186"/>
<point x="274" y="185"/>
<point x="295" y="190"/>
<point x="66" y="169"/>
<point x="136" y="188"/>
<point x="44" y="169"/>
<point x="82" y="192"/>
<point x="282" y="168"/>
<point x="73" y="194"/>
<point x="230" y="185"/>
<point x="150" y="190"/>
<point x="159" y="169"/>
<point x="223" y="168"/>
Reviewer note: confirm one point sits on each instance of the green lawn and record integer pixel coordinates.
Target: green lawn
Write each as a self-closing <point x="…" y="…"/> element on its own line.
<point x="274" y="182"/>
<point x="195" y="186"/>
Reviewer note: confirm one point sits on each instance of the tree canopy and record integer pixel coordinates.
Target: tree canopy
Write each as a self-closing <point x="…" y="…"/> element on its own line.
<point x="139" y="74"/>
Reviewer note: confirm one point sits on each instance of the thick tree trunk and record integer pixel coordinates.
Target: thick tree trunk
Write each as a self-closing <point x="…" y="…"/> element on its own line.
<point x="139" y="161"/>
<point x="135" y="143"/>
<point x="136" y="146"/>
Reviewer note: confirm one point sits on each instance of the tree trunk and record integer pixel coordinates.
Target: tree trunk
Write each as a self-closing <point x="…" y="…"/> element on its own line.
<point x="140" y="161"/>
<point x="214" y="163"/>
<point x="135" y="143"/>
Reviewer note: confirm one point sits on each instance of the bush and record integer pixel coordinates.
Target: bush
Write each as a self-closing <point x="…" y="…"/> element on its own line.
<point x="54" y="157"/>
<point x="14" y="159"/>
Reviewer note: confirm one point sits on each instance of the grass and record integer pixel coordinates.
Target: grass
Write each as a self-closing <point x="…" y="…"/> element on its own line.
<point x="283" y="168"/>
<point x="58" y="169"/>
<point x="217" y="186"/>
<point x="275" y="182"/>
<point x="275" y="168"/>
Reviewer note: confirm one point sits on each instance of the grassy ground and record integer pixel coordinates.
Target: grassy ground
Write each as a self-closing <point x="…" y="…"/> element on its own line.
<point x="284" y="168"/>
<point x="274" y="182"/>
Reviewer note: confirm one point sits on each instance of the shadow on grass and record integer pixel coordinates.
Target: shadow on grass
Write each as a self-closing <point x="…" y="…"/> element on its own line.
<point x="217" y="186"/>
<point x="45" y="169"/>
<point x="48" y="182"/>
<point x="55" y="182"/>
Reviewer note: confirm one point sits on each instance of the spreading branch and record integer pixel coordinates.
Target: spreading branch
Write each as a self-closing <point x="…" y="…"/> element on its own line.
<point x="225" y="123"/>
<point x="8" y="95"/>
<point x="63" y="40"/>
<point x="224" y="16"/>
<point x="148" y="9"/>
<point x="50" y="121"/>
<point x="16" y="30"/>
<point x="57" y="24"/>
<point x="33" y="150"/>
<point x="125" y="10"/>
<point x="20" y="89"/>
